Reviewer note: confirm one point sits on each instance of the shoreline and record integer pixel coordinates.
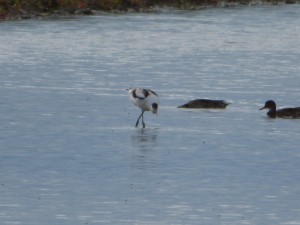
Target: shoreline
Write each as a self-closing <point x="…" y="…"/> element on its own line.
<point x="9" y="14"/>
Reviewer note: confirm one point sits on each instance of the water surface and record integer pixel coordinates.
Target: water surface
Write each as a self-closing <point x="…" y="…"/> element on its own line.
<point x="70" y="153"/>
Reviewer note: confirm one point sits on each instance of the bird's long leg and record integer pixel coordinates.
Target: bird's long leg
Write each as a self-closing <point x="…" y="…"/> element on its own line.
<point x="138" y="120"/>
<point x="144" y="125"/>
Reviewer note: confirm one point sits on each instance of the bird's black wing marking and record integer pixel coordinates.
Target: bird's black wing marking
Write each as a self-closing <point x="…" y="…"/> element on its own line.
<point x="135" y="96"/>
<point x="146" y="93"/>
<point x="151" y="92"/>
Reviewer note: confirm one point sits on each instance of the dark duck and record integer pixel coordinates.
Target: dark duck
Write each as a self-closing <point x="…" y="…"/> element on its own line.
<point x="282" y="113"/>
<point x="205" y="104"/>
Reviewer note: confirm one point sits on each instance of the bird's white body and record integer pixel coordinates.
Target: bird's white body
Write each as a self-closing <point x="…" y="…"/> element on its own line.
<point x="145" y="99"/>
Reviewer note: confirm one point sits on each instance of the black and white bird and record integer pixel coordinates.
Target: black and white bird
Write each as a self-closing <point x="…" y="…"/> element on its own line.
<point x="145" y="99"/>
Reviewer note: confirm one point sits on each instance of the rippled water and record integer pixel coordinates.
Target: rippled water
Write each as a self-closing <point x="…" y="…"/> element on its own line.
<point x="70" y="153"/>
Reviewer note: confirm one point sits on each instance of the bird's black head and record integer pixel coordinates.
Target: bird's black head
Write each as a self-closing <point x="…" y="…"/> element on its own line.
<point x="154" y="107"/>
<point x="270" y="104"/>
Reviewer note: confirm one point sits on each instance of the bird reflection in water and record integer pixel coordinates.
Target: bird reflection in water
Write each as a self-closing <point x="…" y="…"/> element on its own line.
<point x="144" y="143"/>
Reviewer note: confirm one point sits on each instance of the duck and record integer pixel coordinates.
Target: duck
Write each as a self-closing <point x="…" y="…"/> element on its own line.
<point x="145" y="99"/>
<point x="205" y="104"/>
<point x="282" y="113"/>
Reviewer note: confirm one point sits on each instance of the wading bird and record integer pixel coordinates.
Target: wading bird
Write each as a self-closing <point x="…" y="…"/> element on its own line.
<point x="145" y="99"/>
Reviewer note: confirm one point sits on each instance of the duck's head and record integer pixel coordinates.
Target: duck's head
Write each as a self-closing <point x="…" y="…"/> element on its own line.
<point x="270" y="104"/>
<point x="154" y="108"/>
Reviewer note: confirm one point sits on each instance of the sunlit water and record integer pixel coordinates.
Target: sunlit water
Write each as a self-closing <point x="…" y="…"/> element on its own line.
<point x="70" y="153"/>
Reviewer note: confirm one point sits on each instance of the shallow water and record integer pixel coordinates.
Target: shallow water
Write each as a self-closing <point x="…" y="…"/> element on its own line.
<point x="70" y="153"/>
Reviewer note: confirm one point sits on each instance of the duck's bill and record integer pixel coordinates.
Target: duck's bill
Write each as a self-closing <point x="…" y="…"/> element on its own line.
<point x="262" y="108"/>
